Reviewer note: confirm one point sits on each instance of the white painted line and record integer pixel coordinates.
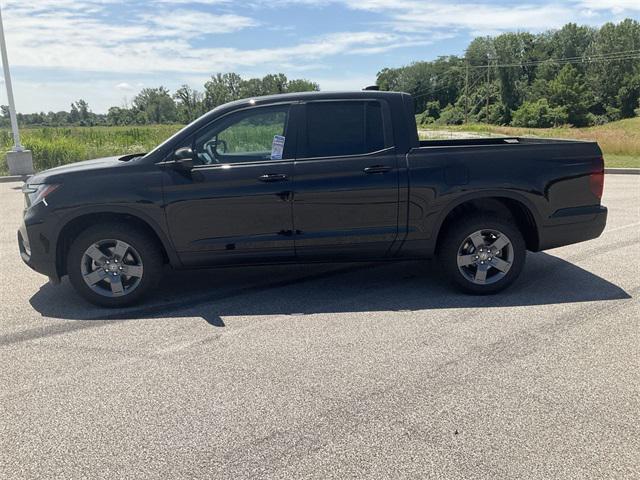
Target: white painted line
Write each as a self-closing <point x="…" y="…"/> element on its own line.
<point x="637" y="224"/>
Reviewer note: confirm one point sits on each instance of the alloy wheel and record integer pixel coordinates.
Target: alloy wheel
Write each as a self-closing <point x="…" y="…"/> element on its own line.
<point x="485" y="257"/>
<point x="111" y="268"/>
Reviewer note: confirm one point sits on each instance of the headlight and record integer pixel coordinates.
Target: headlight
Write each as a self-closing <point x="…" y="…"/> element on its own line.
<point x="34" y="194"/>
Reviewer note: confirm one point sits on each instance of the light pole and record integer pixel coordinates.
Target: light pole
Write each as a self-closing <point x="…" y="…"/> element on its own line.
<point x="19" y="160"/>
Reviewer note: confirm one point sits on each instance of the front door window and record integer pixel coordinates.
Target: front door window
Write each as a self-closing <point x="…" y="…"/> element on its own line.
<point x="247" y="136"/>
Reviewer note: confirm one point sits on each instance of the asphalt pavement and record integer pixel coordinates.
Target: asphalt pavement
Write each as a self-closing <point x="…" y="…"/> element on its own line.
<point x="330" y="371"/>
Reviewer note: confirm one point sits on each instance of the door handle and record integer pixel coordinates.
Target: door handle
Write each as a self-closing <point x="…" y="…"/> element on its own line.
<point x="377" y="169"/>
<point x="273" y="177"/>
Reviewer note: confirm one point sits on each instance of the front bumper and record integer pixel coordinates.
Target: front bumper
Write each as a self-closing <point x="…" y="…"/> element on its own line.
<point x="573" y="225"/>
<point x="37" y="248"/>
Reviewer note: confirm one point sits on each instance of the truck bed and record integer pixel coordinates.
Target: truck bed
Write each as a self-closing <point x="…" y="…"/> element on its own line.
<point x="495" y="141"/>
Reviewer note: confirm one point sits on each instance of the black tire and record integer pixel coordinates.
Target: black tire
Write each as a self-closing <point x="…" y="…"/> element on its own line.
<point x="456" y="244"/>
<point x="147" y="253"/>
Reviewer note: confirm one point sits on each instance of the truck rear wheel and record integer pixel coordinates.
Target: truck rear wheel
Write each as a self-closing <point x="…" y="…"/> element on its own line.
<point x="114" y="265"/>
<point x="482" y="254"/>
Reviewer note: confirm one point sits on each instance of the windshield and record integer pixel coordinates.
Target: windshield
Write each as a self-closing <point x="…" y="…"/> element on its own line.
<point x="171" y="138"/>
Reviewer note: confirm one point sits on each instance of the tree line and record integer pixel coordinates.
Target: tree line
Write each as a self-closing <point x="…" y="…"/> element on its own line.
<point x="159" y="105"/>
<point x="576" y="75"/>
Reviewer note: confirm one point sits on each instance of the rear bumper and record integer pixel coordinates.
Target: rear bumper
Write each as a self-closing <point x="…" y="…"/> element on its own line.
<point x="573" y="225"/>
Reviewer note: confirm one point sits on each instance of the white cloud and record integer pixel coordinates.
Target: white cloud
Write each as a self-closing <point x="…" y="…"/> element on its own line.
<point x="478" y="16"/>
<point x="616" y="6"/>
<point x="72" y="40"/>
<point x="125" y="87"/>
<point x="193" y="2"/>
<point x="195" y="23"/>
<point x="414" y="15"/>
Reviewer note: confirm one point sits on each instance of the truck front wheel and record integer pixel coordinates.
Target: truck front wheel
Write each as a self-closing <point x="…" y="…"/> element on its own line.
<point x="482" y="254"/>
<point x="114" y="265"/>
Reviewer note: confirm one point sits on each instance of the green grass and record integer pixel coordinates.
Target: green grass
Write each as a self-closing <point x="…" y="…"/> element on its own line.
<point x="250" y="138"/>
<point x="620" y="141"/>
<point x="52" y="147"/>
<point x="622" y="161"/>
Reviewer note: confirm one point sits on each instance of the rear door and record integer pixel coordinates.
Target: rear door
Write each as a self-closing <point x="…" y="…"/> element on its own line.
<point x="346" y="180"/>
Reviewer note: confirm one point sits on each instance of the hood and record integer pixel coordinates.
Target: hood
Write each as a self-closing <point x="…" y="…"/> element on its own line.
<point x="58" y="173"/>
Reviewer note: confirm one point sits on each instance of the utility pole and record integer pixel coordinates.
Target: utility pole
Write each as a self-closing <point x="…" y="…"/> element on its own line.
<point x="19" y="160"/>
<point x="488" y="87"/>
<point x="466" y="95"/>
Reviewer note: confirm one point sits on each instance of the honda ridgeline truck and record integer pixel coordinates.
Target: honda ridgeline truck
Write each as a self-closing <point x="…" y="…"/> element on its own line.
<point x="310" y="177"/>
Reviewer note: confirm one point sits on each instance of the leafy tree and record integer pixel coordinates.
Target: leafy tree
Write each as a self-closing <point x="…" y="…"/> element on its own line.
<point x="302" y="85"/>
<point x="388" y="79"/>
<point x="120" y="116"/>
<point x="539" y="114"/>
<point x="431" y="113"/>
<point x="190" y="104"/>
<point x="568" y="90"/>
<point x="222" y="88"/>
<point x="252" y="88"/>
<point x="433" y="109"/>
<point x="451" y="115"/>
<point x="582" y="69"/>
<point x="155" y="105"/>
<point x="440" y="80"/>
<point x="274" y="84"/>
<point x="80" y="113"/>
<point x="629" y="95"/>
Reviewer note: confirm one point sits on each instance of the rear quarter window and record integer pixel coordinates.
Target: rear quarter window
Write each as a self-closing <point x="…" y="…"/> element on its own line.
<point x="344" y="128"/>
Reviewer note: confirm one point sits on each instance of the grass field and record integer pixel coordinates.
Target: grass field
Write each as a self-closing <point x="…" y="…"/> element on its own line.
<point x="620" y="141"/>
<point x="51" y="147"/>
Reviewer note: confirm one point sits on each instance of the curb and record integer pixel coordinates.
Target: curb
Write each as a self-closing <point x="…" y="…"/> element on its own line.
<point x="14" y="178"/>
<point x="623" y="171"/>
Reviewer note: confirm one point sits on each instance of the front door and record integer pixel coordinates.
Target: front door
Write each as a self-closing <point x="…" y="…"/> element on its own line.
<point x="235" y="205"/>
<point x="346" y="193"/>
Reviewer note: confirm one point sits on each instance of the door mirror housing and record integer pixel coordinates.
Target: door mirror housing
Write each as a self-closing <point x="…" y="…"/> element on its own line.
<point x="183" y="158"/>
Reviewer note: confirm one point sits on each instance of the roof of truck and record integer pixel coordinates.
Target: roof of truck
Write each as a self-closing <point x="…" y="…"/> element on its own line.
<point x="301" y="96"/>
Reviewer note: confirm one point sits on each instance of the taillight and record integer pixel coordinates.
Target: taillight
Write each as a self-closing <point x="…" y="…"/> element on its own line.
<point x="596" y="182"/>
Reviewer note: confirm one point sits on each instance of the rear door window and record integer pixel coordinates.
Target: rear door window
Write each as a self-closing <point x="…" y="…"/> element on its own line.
<point x="345" y="128"/>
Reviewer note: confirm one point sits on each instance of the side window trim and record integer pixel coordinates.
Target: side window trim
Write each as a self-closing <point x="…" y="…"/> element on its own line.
<point x="389" y="144"/>
<point x="356" y="155"/>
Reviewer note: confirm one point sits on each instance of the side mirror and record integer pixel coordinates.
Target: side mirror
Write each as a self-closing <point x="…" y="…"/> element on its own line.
<point x="183" y="158"/>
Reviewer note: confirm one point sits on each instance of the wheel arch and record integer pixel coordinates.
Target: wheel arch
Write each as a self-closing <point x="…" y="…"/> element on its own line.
<point x="506" y="204"/>
<point x="71" y="227"/>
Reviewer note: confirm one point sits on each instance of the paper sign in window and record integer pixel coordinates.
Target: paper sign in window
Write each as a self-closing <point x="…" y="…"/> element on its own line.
<point x="277" y="147"/>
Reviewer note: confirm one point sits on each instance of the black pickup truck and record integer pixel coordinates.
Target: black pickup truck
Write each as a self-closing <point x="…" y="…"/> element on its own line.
<point x="310" y="177"/>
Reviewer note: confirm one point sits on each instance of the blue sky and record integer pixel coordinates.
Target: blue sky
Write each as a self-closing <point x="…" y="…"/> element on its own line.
<point x="105" y="51"/>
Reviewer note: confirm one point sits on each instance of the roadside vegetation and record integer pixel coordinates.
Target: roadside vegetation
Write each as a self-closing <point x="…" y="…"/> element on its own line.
<point x="52" y="147"/>
<point x="577" y="75"/>
<point x="620" y="141"/>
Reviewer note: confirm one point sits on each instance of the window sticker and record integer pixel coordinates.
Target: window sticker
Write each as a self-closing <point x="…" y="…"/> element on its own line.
<point x="277" y="147"/>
